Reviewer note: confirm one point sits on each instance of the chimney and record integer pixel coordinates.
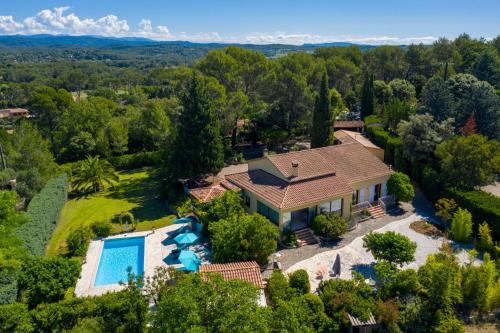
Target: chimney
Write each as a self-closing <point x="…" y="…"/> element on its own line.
<point x="265" y="152"/>
<point x="295" y="169"/>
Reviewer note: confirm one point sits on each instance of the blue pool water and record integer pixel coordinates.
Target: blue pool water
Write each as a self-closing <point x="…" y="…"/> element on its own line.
<point x="117" y="255"/>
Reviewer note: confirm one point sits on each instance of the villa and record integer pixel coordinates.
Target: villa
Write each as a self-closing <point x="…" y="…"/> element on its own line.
<point x="291" y="188"/>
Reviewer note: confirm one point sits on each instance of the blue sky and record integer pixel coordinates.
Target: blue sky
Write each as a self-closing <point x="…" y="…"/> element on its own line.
<point x="375" y="21"/>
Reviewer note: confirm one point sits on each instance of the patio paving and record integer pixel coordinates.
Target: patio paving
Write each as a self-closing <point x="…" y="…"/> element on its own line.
<point x="158" y="245"/>
<point x="355" y="258"/>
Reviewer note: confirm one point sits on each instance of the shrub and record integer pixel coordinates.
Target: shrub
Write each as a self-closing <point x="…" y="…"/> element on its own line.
<point x="8" y="287"/>
<point x="485" y="241"/>
<point x="278" y="287"/>
<point x="101" y="228"/>
<point x="399" y="185"/>
<point x="289" y="238"/>
<point x="390" y="247"/>
<point x="137" y="160"/>
<point x="78" y="241"/>
<point x="250" y="237"/>
<point x="329" y="225"/>
<point x="299" y="280"/>
<point x="46" y="280"/>
<point x="483" y="207"/>
<point x="44" y="210"/>
<point x="461" y="225"/>
<point x="431" y="183"/>
<point x="445" y="208"/>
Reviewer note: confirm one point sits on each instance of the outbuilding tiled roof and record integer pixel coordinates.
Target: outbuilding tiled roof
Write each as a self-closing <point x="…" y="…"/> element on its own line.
<point x="248" y="271"/>
<point x="350" y="136"/>
<point x="348" y="124"/>
<point x="322" y="173"/>
<point x="208" y="193"/>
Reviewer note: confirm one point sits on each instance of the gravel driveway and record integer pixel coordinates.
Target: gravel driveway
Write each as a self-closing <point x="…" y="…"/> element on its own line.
<point x="355" y="257"/>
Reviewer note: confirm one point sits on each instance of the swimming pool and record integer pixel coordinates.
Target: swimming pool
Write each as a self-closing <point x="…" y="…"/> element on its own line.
<point x="116" y="257"/>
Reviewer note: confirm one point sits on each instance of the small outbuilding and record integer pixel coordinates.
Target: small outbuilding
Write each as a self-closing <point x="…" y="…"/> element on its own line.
<point x="349" y="125"/>
<point x="361" y="326"/>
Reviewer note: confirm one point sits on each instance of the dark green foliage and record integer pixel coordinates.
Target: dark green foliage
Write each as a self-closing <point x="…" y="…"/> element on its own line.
<point x="78" y="241"/>
<point x="226" y="207"/>
<point x="299" y="280"/>
<point x="341" y="297"/>
<point x="469" y="162"/>
<point x="8" y="287"/>
<point x="483" y="207"/>
<point x="278" y="287"/>
<point x="15" y="318"/>
<point x="44" y="211"/>
<point x="329" y="225"/>
<point x="123" y="311"/>
<point x="250" y="237"/>
<point x="137" y="160"/>
<point x="197" y="149"/>
<point x="194" y="305"/>
<point x="399" y="185"/>
<point x="394" y="248"/>
<point x="431" y="183"/>
<point x="323" y="117"/>
<point x="101" y="228"/>
<point x="367" y="98"/>
<point x="46" y="280"/>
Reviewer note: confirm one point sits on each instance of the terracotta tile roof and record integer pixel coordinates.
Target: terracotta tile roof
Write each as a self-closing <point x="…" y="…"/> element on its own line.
<point x="248" y="271"/>
<point x="323" y="173"/>
<point x="348" y="124"/>
<point x="350" y="136"/>
<point x="208" y="193"/>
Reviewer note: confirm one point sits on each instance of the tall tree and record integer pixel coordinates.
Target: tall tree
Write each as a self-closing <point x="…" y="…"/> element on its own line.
<point x="367" y="97"/>
<point x="323" y="117"/>
<point x="197" y="148"/>
<point x="467" y="162"/>
<point x="93" y="174"/>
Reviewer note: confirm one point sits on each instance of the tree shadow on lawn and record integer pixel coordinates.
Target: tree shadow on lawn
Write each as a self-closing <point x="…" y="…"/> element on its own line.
<point x="145" y="193"/>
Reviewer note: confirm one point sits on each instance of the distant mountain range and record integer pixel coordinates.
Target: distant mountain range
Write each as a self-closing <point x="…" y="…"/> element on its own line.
<point x="14" y="41"/>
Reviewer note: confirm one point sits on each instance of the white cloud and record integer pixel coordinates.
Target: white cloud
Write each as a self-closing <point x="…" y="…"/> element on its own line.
<point x="56" y="21"/>
<point x="145" y="26"/>
<point x="8" y="25"/>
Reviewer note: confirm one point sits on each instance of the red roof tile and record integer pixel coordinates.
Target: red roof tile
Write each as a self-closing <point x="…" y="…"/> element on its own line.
<point x="248" y="271"/>
<point x="323" y="173"/>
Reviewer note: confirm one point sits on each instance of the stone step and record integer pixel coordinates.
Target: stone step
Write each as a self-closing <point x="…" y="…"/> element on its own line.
<point x="305" y="237"/>
<point x="376" y="211"/>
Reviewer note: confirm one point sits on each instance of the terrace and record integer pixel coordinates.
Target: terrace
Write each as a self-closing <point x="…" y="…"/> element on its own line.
<point x="109" y="261"/>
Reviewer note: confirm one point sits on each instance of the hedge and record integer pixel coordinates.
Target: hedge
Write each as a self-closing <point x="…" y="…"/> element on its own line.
<point x="137" y="160"/>
<point x="44" y="210"/>
<point x="483" y="206"/>
<point x="393" y="147"/>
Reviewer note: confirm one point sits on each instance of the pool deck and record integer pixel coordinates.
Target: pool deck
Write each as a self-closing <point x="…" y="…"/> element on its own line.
<point x="154" y="253"/>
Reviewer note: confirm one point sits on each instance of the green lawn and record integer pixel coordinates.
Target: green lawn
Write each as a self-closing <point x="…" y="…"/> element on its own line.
<point x="137" y="192"/>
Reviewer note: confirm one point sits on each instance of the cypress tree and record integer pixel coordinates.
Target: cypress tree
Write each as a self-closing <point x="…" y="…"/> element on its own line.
<point x="323" y="117"/>
<point x="367" y="97"/>
<point x="197" y="150"/>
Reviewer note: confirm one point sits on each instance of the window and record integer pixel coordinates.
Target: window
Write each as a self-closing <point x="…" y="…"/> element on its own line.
<point x="331" y="206"/>
<point x="270" y="213"/>
<point x="246" y="198"/>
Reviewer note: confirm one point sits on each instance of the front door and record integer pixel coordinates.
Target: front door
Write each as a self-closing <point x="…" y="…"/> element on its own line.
<point x="378" y="192"/>
<point x="300" y="219"/>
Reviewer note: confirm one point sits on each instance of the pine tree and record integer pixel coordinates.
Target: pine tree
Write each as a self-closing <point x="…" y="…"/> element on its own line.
<point x="367" y="97"/>
<point x="323" y="117"/>
<point x="197" y="150"/>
